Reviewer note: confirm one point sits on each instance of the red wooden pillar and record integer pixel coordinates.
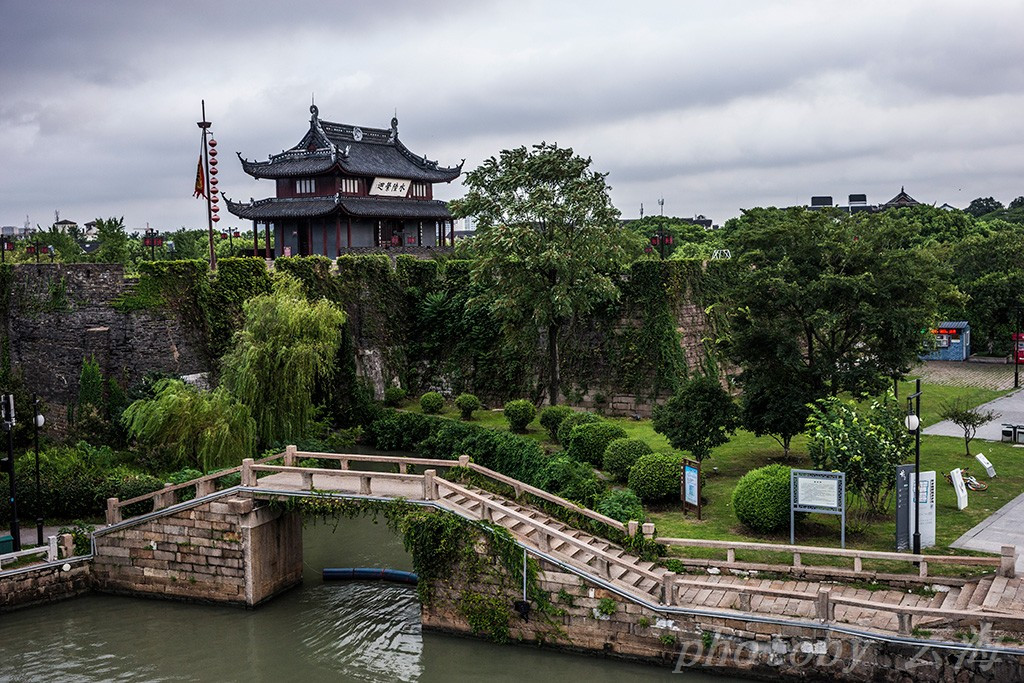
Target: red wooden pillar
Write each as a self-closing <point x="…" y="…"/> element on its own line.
<point x="337" y="234"/>
<point x="349" y="237"/>
<point x="266" y="239"/>
<point x="255" y="241"/>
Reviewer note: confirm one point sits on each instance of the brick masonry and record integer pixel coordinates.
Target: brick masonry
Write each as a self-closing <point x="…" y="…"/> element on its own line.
<point x="226" y="551"/>
<point x="39" y="585"/>
<point x="730" y="646"/>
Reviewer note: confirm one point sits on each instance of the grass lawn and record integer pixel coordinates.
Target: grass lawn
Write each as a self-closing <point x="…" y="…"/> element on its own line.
<point x="745" y="452"/>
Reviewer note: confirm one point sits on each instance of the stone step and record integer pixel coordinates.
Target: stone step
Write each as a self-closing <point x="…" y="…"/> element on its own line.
<point x="964" y="598"/>
<point x="980" y="593"/>
<point x="995" y="592"/>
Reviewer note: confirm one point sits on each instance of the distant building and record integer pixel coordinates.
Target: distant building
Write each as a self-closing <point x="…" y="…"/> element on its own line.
<point x="65" y="226"/>
<point x="344" y="187"/>
<point x="857" y="203"/>
<point x="952" y="341"/>
<point x="15" y="231"/>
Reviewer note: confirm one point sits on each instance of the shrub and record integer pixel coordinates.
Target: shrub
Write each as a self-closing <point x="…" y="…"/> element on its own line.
<point x="570" y="479"/>
<point x="123" y="484"/>
<point x="467" y="403"/>
<point x="587" y="442"/>
<point x="761" y="498"/>
<point x="551" y="417"/>
<point x="699" y="417"/>
<point x="507" y="453"/>
<point x="655" y="477"/>
<point x="621" y="504"/>
<point x="395" y="431"/>
<point x="622" y="454"/>
<point x="570" y="421"/>
<point x="431" y="403"/>
<point x="393" y="396"/>
<point x="519" y="413"/>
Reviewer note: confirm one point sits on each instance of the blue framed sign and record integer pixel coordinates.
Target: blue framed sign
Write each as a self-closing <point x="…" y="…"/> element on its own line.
<point x="689" y="485"/>
<point x="821" y="492"/>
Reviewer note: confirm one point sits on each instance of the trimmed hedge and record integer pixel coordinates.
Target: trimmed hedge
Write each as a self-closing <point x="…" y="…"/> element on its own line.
<point x="393" y="396"/>
<point x="622" y="454"/>
<point x="571" y="421"/>
<point x="571" y="479"/>
<point x="431" y="403"/>
<point x="467" y="403"/>
<point x="655" y="477"/>
<point x="587" y="442"/>
<point x="623" y="505"/>
<point x="551" y="418"/>
<point x="519" y="414"/>
<point x="761" y="498"/>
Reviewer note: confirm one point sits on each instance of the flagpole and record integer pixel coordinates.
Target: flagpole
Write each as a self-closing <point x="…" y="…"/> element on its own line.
<point x="205" y="125"/>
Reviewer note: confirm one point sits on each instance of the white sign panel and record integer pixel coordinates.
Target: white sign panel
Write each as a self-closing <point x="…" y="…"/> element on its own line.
<point x="960" y="486"/>
<point x="927" y="509"/>
<point x="989" y="469"/>
<point x="390" y="187"/>
<point x="817" y="492"/>
<point x="690" y="484"/>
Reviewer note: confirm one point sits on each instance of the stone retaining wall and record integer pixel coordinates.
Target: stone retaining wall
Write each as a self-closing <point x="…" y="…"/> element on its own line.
<point x="49" y="583"/>
<point x="586" y="618"/>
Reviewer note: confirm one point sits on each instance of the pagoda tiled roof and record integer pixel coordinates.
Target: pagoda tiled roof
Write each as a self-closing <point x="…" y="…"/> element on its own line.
<point x="311" y="207"/>
<point x="352" y="150"/>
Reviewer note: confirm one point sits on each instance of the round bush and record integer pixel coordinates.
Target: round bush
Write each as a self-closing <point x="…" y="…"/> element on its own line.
<point x="655" y="477"/>
<point x="622" y="505"/>
<point x="761" y="498"/>
<point x="551" y="417"/>
<point x="587" y="442"/>
<point x="570" y="479"/>
<point x="519" y="413"/>
<point x="467" y="403"/>
<point x="622" y="454"/>
<point x="431" y="403"/>
<point x="570" y="421"/>
<point x="393" y="396"/>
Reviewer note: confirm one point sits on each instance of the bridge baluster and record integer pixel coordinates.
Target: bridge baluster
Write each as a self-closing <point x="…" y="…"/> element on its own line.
<point x="248" y="475"/>
<point x="113" y="511"/>
<point x="364" y="484"/>
<point x="289" y="456"/>
<point x="429" y="486"/>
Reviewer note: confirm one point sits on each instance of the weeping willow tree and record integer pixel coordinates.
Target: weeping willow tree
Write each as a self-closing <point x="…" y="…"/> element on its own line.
<point x="285" y="346"/>
<point x="192" y="428"/>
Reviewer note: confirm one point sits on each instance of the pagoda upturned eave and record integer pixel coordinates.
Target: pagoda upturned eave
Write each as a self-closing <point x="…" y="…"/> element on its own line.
<point x="275" y="208"/>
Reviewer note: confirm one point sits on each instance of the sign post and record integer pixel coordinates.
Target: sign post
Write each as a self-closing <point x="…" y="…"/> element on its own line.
<point x="814" y="491"/>
<point x="984" y="462"/>
<point x="904" y="475"/>
<point x="927" y="509"/>
<point x="689" y="486"/>
<point x="961" y="488"/>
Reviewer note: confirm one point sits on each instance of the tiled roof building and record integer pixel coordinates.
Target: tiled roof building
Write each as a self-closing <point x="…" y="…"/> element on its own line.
<point x="344" y="187"/>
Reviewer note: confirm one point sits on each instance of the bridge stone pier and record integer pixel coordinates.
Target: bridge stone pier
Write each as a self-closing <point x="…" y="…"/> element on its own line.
<point x="232" y="550"/>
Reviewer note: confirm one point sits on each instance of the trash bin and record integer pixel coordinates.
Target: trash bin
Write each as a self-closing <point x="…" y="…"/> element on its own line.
<point x="6" y="544"/>
<point x="1008" y="430"/>
<point x="1018" y="433"/>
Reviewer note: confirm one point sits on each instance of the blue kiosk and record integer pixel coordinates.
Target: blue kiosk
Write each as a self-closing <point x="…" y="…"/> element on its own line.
<point x="952" y="341"/>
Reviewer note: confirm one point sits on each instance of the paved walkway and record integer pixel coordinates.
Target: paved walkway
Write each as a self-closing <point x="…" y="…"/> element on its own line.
<point x="1004" y="527"/>
<point x="1010" y="408"/>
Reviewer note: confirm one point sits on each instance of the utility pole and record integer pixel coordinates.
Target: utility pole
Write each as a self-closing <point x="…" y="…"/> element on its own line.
<point x="7" y="410"/>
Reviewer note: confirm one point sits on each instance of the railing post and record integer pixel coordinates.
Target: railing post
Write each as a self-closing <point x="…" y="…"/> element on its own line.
<point x="923" y="569"/>
<point x="164" y="498"/>
<point x="205" y="487"/>
<point x="796" y="560"/>
<point x="858" y="564"/>
<point x="1008" y="561"/>
<point x="344" y="464"/>
<point x="364" y="484"/>
<point x="906" y="623"/>
<point x="248" y="475"/>
<point x="485" y="513"/>
<point x="289" y="456"/>
<point x="730" y="555"/>
<point x="745" y="602"/>
<point x="307" y="480"/>
<point x="668" y="585"/>
<point x="648" y="530"/>
<point x="113" y="511"/>
<point x="67" y="545"/>
<point x="51" y="549"/>
<point x="632" y="526"/>
<point x="543" y="542"/>
<point x="403" y="468"/>
<point x="429" y="487"/>
<point x="463" y="461"/>
<point x="602" y="566"/>
<point x="825" y="608"/>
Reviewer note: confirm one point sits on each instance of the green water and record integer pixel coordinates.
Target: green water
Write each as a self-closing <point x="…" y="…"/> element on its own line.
<point x="317" y="632"/>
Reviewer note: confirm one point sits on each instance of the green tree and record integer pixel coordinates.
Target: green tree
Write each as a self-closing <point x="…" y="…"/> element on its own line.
<point x="838" y="302"/>
<point x="192" y="428"/>
<point x="983" y="205"/>
<point x="285" y="347"/>
<point x="548" y="241"/>
<point x="1017" y="203"/>
<point x="113" y="239"/>
<point x="774" y="402"/>
<point x="960" y="412"/>
<point x="866" y="444"/>
<point x="699" y="417"/>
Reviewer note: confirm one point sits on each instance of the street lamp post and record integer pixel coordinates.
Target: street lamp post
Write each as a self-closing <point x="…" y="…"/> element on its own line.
<point x="913" y="423"/>
<point x="7" y="415"/>
<point x="660" y="238"/>
<point x="38" y="422"/>
<point x="152" y="240"/>
<point x="1016" y="347"/>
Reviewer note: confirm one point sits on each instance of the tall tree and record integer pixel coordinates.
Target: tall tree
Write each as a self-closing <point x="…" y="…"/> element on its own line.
<point x="548" y="241"/>
<point x="836" y="301"/>
<point x="983" y="205"/>
<point x="699" y="417"/>
<point x="113" y="239"/>
<point x="286" y="345"/>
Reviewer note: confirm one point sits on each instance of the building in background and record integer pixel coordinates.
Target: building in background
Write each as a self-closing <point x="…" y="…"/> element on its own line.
<point x="952" y="341"/>
<point x="344" y="187"/>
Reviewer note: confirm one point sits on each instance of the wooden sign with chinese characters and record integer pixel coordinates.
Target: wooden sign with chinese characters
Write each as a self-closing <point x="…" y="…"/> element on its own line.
<point x="390" y="187"/>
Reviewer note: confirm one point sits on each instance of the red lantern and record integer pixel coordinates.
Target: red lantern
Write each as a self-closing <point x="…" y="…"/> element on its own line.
<point x="223" y="235"/>
<point x="236" y="234"/>
<point x="8" y="246"/>
<point x="213" y="162"/>
<point x="214" y="181"/>
<point x="213" y="171"/>
<point x="214" y="190"/>
<point x="668" y="240"/>
<point x="648" y="250"/>
<point x="147" y="241"/>
<point x="215" y="208"/>
<point x="211" y="142"/>
<point x="216" y="218"/>
<point x="654" y="240"/>
<point x="30" y="249"/>
<point x="213" y="152"/>
<point x="159" y="241"/>
<point x="44" y="250"/>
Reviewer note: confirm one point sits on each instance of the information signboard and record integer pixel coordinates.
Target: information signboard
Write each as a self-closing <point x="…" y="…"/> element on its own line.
<point x="689" y="486"/>
<point x="814" y="491"/>
<point x="903" y="511"/>
<point x="927" y="509"/>
<point x="984" y="462"/>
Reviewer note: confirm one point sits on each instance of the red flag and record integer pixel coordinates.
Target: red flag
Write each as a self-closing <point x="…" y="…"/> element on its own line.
<point x="200" y="180"/>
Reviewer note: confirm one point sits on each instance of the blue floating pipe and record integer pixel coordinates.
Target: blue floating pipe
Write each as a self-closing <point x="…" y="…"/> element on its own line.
<point x="368" y="574"/>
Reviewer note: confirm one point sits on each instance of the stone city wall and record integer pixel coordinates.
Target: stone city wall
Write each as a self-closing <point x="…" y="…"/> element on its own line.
<point x="50" y="583"/>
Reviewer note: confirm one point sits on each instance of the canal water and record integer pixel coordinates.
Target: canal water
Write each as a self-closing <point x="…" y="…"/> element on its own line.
<point x="318" y="632"/>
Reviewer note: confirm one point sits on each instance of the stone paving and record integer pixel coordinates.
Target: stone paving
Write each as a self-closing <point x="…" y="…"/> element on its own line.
<point x="1010" y="409"/>
<point x="1004" y="527"/>
<point x="996" y="376"/>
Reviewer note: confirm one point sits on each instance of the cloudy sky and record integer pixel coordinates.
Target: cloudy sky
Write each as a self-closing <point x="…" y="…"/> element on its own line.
<point x="715" y="105"/>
